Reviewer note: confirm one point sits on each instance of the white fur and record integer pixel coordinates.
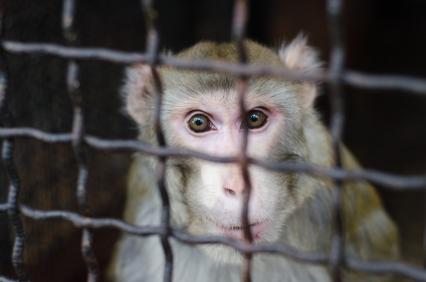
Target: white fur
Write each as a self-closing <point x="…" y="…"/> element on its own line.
<point x="298" y="55"/>
<point x="142" y="259"/>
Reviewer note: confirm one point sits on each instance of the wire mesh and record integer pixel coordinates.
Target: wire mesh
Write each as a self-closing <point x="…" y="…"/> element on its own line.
<point x="77" y="135"/>
<point x="336" y="76"/>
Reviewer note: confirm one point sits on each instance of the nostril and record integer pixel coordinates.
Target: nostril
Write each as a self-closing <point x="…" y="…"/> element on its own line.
<point x="229" y="192"/>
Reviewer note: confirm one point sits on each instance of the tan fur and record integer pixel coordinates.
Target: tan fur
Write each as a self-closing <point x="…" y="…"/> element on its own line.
<point x="302" y="203"/>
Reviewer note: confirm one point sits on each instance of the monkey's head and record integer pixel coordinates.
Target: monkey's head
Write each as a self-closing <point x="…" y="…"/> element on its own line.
<point x="200" y="111"/>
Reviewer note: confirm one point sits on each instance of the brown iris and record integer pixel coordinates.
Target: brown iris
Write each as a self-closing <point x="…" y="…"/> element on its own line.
<point x="199" y="123"/>
<point x="256" y="119"/>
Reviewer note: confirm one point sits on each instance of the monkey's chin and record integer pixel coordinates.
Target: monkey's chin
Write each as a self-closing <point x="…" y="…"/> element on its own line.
<point x="221" y="254"/>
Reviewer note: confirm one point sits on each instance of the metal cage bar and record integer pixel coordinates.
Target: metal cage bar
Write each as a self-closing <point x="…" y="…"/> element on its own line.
<point x="7" y="150"/>
<point x="352" y="78"/>
<point x="77" y="138"/>
<point x="239" y="26"/>
<point x="334" y="17"/>
<point x="152" y="51"/>
<point x="336" y="77"/>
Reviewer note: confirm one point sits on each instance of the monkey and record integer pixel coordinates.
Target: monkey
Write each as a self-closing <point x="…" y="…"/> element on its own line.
<point x="200" y="112"/>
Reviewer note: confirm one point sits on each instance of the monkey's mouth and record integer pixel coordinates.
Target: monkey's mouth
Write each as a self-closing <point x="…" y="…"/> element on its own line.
<point x="236" y="231"/>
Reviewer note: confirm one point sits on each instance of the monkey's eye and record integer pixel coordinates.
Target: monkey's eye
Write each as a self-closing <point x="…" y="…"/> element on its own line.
<point x="199" y="123"/>
<point x="256" y="119"/>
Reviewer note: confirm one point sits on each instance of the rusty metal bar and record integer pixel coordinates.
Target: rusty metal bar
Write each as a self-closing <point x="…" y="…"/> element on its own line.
<point x="336" y="77"/>
<point x="13" y="210"/>
<point x="424" y="231"/>
<point x="121" y="57"/>
<point x="334" y="17"/>
<point x="388" y="180"/>
<point x="353" y="78"/>
<point x="77" y="139"/>
<point x="152" y="52"/>
<point x="424" y="227"/>
<point x="12" y="205"/>
<point x="239" y="25"/>
<point x="386" y="268"/>
<point x="385" y="82"/>
<point x="375" y="267"/>
<point x="4" y="279"/>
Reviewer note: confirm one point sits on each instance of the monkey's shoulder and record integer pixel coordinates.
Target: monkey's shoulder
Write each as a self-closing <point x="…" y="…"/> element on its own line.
<point x="140" y="193"/>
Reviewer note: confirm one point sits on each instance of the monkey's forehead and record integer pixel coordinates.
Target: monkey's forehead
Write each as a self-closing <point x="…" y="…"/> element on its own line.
<point x="256" y="53"/>
<point x="200" y="82"/>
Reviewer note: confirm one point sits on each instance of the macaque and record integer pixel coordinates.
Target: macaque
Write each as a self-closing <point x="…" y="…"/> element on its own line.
<point x="200" y="111"/>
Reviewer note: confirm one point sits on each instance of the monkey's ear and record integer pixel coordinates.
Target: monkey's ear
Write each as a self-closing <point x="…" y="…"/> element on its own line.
<point x="297" y="55"/>
<point x="137" y="91"/>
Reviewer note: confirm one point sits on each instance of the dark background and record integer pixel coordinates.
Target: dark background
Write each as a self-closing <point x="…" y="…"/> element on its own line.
<point x="384" y="129"/>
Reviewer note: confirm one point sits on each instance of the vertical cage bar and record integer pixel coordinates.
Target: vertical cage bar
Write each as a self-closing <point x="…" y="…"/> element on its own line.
<point x="424" y="230"/>
<point x="152" y="51"/>
<point x="78" y="131"/>
<point x="3" y="64"/>
<point x="239" y="25"/>
<point x="334" y="17"/>
<point x="12" y="205"/>
<point x="13" y="210"/>
<point x="337" y="256"/>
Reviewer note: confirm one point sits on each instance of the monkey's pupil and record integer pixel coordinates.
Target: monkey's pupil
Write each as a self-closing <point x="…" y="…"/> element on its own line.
<point x="254" y="118"/>
<point x="198" y="122"/>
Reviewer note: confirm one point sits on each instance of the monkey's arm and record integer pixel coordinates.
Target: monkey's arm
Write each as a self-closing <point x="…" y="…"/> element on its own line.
<point x="370" y="231"/>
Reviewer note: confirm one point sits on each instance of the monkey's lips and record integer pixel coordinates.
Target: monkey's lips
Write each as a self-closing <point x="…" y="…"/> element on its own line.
<point x="237" y="232"/>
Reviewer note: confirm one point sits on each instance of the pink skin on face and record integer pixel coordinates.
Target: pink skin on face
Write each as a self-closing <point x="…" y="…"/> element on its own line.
<point x="223" y="138"/>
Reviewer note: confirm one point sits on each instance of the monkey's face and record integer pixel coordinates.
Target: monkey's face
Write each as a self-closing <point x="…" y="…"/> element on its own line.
<point x="213" y="192"/>
<point x="200" y="111"/>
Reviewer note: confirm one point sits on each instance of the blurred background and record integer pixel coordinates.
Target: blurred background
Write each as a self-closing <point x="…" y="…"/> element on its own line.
<point x="384" y="129"/>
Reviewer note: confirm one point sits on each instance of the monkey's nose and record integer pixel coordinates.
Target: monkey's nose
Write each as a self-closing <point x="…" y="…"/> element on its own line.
<point x="233" y="191"/>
